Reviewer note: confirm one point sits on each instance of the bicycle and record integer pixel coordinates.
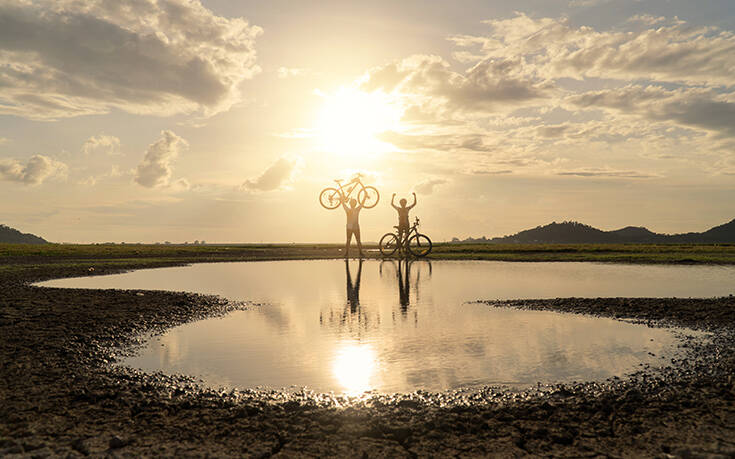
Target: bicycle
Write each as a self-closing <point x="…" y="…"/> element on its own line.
<point x="417" y="244"/>
<point x="368" y="196"/>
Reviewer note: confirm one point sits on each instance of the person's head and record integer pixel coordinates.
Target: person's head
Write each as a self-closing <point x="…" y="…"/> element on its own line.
<point x="403" y="202"/>
<point x="353" y="202"/>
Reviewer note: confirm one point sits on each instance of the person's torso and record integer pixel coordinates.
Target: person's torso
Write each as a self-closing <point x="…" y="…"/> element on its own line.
<point x="353" y="217"/>
<point x="403" y="216"/>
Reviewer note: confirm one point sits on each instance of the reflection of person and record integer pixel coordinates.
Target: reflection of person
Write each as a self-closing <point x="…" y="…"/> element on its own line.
<point x="402" y="214"/>
<point x="353" y="224"/>
<point x="353" y="291"/>
<point x="404" y="297"/>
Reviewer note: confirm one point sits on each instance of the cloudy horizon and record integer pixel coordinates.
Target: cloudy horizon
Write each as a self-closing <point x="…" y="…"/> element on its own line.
<point x="153" y="120"/>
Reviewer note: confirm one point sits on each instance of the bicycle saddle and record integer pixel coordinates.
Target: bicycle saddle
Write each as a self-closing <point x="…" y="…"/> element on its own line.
<point x="338" y="180"/>
<point x="397" y="227"/>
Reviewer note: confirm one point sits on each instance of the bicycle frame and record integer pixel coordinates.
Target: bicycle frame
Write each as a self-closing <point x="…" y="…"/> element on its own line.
<point x="411" y="231"/>
<point x="350" y="187"/>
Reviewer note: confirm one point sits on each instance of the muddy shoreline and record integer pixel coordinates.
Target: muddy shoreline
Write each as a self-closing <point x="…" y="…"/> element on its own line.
<point x="59" y="396"/>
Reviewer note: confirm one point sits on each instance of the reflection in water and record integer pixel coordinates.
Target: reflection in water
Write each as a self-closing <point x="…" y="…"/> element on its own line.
<point x="320" y="324"/>
<point x="354" y="366"/>
<point x="353" y="290"/>
<point x="352" y="319"/>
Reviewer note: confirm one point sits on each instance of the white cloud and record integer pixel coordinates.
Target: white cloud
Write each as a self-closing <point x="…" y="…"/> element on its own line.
<point x="672" y="52"/>
<point x="156" y="168"/>
<point x="106" y="144"/>
<point x="427" y="186"/>
<point x="35" y="171"/>
<point x="277" y="176"/>
<point x="65" y="58"/>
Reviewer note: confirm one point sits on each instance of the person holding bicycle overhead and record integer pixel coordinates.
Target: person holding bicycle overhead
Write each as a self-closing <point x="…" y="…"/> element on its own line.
<point x="353" y="224"/>
<point x="403" y="225"/>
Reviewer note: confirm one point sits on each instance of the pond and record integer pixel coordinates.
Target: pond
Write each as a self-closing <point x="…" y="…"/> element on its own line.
<point x="389" y="326"/>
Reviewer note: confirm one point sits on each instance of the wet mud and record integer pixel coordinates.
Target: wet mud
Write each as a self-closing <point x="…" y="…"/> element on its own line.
<point x="60" y="395"/>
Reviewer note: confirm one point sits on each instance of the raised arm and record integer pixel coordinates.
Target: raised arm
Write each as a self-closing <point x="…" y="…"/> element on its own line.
<point x="414" y="201"/>
<point x="343" y="200"/>
<point x="392" y="201"/>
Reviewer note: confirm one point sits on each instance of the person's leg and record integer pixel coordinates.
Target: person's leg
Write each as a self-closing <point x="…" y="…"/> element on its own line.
<point x="402" y="233"/>
<point x="359" y="243"/>
<point x="347" y="244"/>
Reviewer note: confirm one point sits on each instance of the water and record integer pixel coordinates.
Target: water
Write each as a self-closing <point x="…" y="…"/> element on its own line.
<point x="329" y="325"/>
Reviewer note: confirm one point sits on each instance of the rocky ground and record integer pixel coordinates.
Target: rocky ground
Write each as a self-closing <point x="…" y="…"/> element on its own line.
<point x="59" y="395"/>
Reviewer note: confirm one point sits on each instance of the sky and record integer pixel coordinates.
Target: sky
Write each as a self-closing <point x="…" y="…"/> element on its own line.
<point x="174" y="120"/>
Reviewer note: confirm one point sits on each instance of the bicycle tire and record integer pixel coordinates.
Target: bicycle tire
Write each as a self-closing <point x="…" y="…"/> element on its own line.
<point x="365" y="196"/>
<point x="329" y="198"/>
<point x="419" y="245"/>
<point x="388" y="244"/>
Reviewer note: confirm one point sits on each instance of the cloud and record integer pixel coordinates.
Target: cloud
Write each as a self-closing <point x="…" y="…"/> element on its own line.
<point x="491" y="171"/>
<point x="66" y="58"/>
<point x="442" y="142"/>
<point x="607" y="173"/>
<point x="92" y="180"/>
<point x="155" y="170"/>
<point x="551" y="48"/>
<point x="107" y="144"/>
<point x="586" y="3"/>
<point x="698" y="108"/>
<point x="35" y="171"/>
<point x="277" y="176"/>
<point x="491" y="84"/>
<point x="427" y="186"/>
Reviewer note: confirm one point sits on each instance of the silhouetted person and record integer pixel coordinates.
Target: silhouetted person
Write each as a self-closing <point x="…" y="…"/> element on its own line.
<point x="353" y="224"/>
<point x="353" y="291"/>
<point x="402" y="215"/>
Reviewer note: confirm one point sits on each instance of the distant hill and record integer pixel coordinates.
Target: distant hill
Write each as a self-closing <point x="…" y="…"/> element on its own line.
<point x="13" y="236"/>
<point x="579" y="233"/>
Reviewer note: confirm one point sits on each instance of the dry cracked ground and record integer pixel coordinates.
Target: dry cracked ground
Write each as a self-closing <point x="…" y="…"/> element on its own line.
<point x="60" y="395"/>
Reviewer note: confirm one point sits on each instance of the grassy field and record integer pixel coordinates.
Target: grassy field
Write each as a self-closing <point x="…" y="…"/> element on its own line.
<point x="76" y="255"/>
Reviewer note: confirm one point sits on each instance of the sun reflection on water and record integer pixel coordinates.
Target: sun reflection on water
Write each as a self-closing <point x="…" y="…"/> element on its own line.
<point x="354" y="366"/>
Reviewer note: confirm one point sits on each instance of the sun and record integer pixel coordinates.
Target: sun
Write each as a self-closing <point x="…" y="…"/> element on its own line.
<point x="350" y="121"/>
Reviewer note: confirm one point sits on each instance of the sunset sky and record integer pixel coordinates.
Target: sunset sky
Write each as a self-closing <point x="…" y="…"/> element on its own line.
<point x="221" y="120"/>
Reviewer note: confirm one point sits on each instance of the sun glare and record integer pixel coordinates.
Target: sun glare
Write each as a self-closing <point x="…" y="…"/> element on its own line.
<point x="350" y="120"/>
<point x="353" y="367"/>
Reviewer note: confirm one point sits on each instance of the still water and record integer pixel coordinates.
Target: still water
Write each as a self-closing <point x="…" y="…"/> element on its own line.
<point x="348" y="327"/>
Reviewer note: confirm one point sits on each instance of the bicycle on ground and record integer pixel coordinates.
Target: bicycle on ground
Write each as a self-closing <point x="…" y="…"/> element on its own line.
<point x="415" y="243"/>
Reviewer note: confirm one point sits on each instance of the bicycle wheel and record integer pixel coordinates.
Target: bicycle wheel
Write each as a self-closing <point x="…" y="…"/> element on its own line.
<point x="388" y="244"/>
<point x="329" y="198"/>
<point x="368" y="196"/>
<point x="419" y="245"/>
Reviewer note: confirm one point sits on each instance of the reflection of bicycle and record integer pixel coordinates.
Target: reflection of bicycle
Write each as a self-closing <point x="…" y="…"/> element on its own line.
<point x="367" y="196"/>
<point x="417" y="244"/>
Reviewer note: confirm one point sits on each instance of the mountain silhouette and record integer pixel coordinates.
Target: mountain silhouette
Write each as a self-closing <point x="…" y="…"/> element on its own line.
<point x="571" y="232"/>
<point x="13" y="236"/>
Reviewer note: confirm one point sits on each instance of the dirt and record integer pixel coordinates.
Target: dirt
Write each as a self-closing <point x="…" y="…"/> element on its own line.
<point x="61" y="396"/>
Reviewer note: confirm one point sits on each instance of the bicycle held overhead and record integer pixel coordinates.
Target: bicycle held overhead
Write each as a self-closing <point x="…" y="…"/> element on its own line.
<point x="331" y="197"/>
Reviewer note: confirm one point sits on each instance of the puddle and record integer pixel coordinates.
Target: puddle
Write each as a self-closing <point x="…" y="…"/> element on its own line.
<point x="328" y="325"/>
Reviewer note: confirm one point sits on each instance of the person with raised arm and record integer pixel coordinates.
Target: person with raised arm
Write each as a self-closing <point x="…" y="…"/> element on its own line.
<point x="353" y="224"/>
<point x="403" y="210"/>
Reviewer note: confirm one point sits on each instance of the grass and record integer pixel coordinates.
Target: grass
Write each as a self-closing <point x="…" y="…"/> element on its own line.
<point x="17" y="255"/>
<point x="620" y="253"/>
